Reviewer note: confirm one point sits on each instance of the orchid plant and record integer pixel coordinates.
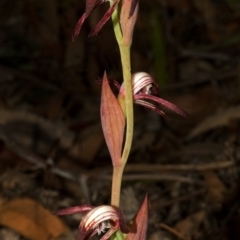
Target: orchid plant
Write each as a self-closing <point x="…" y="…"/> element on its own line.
<point x="117" y="121"/>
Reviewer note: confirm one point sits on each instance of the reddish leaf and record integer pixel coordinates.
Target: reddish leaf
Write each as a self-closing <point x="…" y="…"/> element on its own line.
<point x="113" y="122"/>
<point x="138" y="230"/>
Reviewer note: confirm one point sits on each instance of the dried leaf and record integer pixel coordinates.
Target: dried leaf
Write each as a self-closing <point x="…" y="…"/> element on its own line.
<point x="31" y="220"/>
<point x="218" y="120"/>
<point x="190" y="226"/>
<point x="113" y="122"/>
<point x="215" y="187"/>
<point x="138" y="229"/>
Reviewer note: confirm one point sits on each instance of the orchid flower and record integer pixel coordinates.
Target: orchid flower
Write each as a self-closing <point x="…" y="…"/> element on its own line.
<point x="97" y="220"/>
<point x="91" y="5"/>
<point x="145" y="93"/>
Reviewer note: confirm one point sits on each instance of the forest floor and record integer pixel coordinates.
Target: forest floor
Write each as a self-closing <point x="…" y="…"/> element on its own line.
<point x="52" y="150"/>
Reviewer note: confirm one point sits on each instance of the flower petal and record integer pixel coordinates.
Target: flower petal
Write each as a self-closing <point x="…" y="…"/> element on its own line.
<point x="111" y="82"/>
<point x="93" y="219"/>
<point x="162" y="102"/>
<point x="90" y="5"/>
<point x="141" y="80"/>
<point x="77" y="29"/>
<point x="72" y="210"/>
<point x="113" y="122"/>
<point x="152" y="107"/>
<point x="104" y="19"/>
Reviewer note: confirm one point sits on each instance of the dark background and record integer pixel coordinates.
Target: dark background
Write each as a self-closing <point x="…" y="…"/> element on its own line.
<point x="49" y="113"/>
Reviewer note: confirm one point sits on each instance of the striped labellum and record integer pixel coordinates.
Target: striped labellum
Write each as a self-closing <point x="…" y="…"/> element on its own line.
<point x="145" y="93"/>
<point x="144" y="83"/>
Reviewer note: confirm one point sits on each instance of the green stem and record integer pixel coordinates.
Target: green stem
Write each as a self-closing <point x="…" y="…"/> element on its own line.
<point x="116" y="24"/>
<point x="118" y="171"/>
<point x="127" y="79"/>
<point x="116" y="185"/>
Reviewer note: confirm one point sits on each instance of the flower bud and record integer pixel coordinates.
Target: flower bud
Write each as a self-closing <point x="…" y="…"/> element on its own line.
<point x="128" y="17"/>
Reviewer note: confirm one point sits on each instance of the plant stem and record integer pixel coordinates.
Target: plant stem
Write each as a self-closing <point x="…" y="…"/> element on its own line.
<point x="116" y="185"/>
<point x="116" y="24"/>
<point x="118" y="171"/>
<point x="127" y="79"/>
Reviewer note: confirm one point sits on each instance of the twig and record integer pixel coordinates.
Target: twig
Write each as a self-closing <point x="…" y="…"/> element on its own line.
<point x="206" y="55"/>
<point x="33" y="158"/>
<point x="155" y="177"/>
<point x="179" y="167"/>
<point x="39" y="162"/>
<point x="173" y="231"/>
<point x="166" y="167"/>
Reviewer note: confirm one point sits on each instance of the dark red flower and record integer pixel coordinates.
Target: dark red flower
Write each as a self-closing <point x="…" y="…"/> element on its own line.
<point x="90" y="6"/>
<point x="97" y="220"/>
<point x="145" y="93"/>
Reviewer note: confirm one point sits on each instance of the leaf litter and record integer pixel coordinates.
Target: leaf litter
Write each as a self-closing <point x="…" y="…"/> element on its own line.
<point x="52" y="151"/>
